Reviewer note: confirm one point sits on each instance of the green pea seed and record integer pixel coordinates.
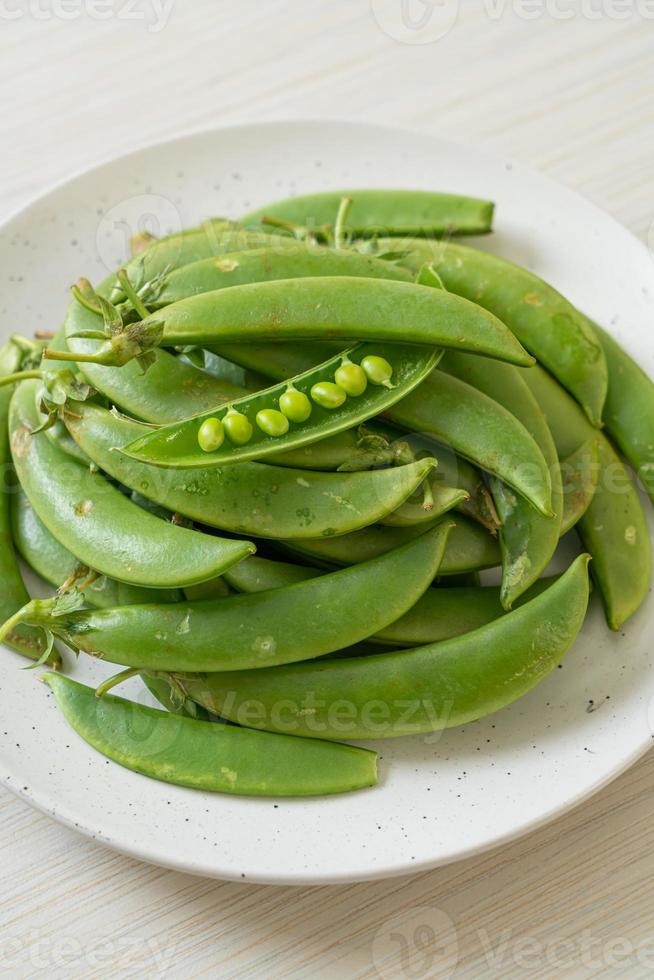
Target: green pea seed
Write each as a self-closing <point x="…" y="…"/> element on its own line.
<point x="295" y="405"/>
<point x="378" y="370"/>
<point x="272" y="422"/>
<point x="327" y="394"/>
<point x="351" y="378"/>
<point x="211" y="435"/>
<point x="238" y="427"/>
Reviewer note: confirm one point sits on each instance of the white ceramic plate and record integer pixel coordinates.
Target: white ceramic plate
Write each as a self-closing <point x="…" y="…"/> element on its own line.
<point x="439" y="798"/>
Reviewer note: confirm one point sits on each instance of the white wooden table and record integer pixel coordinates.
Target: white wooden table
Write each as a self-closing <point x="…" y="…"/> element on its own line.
<point x="571" y="95"/>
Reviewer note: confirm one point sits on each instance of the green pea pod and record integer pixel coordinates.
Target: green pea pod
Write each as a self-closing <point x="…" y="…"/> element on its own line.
<point x="266" y="264"/>
<point x="469" y="547"/>
<point x="54" y="563"/>
<point x="28" y="642"/>
<point x="443" y="613"/>
<point x="481" y="430"/>
<point x="298" y="622"/>
<point x="528" y="539"/>
<point x="251" y="498"/>
<point x="381" y="212"/>
<point x="613" y="529"/>
<point x="178" y="445"/>
<point x="341" y="308"/>
<point x="629" y="410"/>
<point x="580" y="473"/>
<point x="207" y="756"/>
<point x="255" y="574"/>
<point x="439" y="614"/>
<point x="96" y="522"/>
<point x="430" y="501"/>
<point x="211" y="239"/>
<point x="426" y="689"/>
<point x="492" y="438"/>
<point x="550" y="327"/>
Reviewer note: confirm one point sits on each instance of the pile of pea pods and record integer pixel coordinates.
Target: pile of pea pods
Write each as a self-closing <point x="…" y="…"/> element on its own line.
<point x="264" y="463"/>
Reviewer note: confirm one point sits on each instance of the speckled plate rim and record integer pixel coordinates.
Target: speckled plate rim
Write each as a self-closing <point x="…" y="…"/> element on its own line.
<point x="638" y="742"/>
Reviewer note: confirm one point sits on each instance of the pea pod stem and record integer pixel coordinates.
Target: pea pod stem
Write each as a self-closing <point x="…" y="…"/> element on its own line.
<point x="111" y="682"/>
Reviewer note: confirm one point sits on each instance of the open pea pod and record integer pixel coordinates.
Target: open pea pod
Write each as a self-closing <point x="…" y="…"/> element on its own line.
<point x="307" y="408"/>
<point x="379" y="212"/>
<point x="528" y="538"/>
<point x="613" y="528"/>
<point x="98" y="524"/>
<point x="206" y="755"/>
<point x="404" y="693"/>
<point x="248" y="498"/>
<point x="549" y="326"/>
<point x="442" y="409"/>
<point x="298" y="622"/>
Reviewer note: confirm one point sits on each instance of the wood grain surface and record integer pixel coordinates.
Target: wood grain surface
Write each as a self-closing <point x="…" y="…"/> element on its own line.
<point x="565" y="86"/>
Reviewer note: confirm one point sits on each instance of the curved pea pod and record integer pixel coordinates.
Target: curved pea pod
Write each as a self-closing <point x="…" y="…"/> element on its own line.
<point x="381" y="212"/>
<point x="469" y="547"/>
<point x="429" y="502"/>
<point x="550" y="327"/>
<point x="442" y="613"/>
<point x="209" y="756"/>
<point x="255" y="574"/>
<point x="213" y="238"/>
<point x="266" y="264"/>
<point x="629" y="410"/>
<point x="297" y="622"/>
<point x="54" y="563"/>
<point x="95" y="521"/>
<point x="528" y="539"/>
<point x="426" y="689"/>
<point x="579" y="473"/>
<point x="178" y="445"/>
<point x="23" y="640"/>
<point x="335" y="308"/>
<point x="251" y="498"/>
<point x="479" y="429"/>
<point x="613" y="528"/>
